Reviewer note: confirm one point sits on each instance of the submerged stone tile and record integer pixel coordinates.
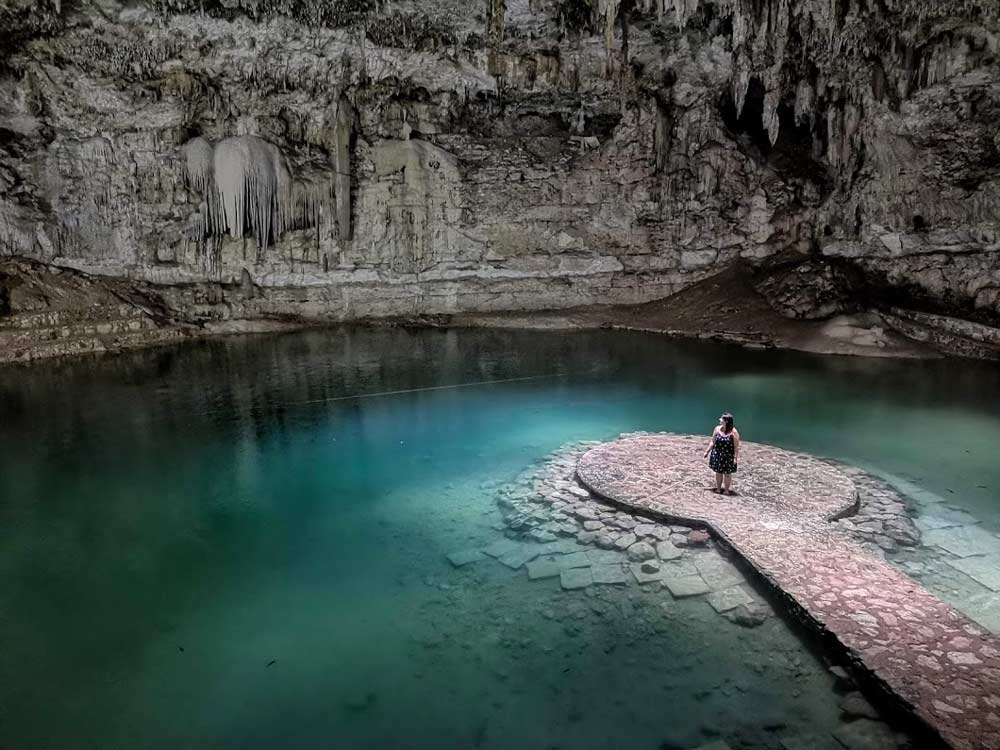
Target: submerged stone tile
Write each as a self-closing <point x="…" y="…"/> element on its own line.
<point x="724" y="600"/>
<point x="464" y="557"/>
<point x="964" y="541"/>
<point x="609" y="574"/>
<point x="605" y="556"/>
<point x="943" y="518"/>
<point x="516" y="558"/>
<point x="984" y="570"/>
<point x="684" y="586"/>
<point x="545" y="567"/>
<point x="576" y="578"/>
<point x="644" y="576"/>
<point x="501" y="547"/>
<point x="717" y="572"/>
<point x="575" y="560"/>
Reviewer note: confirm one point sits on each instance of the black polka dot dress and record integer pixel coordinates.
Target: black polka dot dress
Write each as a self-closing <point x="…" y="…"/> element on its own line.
<point x="722" y="459"/>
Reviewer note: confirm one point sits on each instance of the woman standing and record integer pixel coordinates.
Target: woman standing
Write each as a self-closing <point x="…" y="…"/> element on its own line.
<point x="725" y="453"/>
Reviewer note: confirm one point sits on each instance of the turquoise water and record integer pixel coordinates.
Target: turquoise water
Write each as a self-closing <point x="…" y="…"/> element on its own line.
<point x="240" y="543"/>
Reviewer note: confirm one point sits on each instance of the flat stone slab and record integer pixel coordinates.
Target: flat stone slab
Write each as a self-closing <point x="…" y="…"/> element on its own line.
<point x="544" y="568"/>
<point x="502" y="547"/>
<point x="516" y="558"/>
<point x="464" y="557"/>
<point x="940" y="665"/>
<point x="717" y="573"/>
<point x="943" y="518"/>
<point x="984" y="570"/>
<point x="963" y="541"/>
<point x="684" y="586"/>
<point x="609" y="574"/>
<point x="727" y="599"/>
<point x="576" y="578"/>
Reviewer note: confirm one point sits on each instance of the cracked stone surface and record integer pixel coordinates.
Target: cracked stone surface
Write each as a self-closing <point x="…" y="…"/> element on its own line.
<point x="940" y="665"/>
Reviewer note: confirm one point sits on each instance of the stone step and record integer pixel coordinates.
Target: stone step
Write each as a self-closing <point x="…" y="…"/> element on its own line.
<point x="53" y="318"/>
<point x="105" y="327"/>
<point x="119" y="337"/>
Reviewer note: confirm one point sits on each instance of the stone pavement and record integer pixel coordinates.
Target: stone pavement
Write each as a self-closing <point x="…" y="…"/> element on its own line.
<point x="935" y="662"/>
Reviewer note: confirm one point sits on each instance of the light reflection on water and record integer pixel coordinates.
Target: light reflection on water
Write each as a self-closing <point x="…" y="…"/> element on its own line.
<point x="211" y="546"/>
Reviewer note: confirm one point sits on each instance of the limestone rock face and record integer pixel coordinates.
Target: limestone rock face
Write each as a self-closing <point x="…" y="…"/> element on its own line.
<point x="367" y="158"/>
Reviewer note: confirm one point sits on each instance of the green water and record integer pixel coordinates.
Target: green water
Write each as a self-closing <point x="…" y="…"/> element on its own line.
<point x="218" y="546"/>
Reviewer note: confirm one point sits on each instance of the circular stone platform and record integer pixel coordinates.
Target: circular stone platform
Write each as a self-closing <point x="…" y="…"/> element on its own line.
<point x="937" y="664"/>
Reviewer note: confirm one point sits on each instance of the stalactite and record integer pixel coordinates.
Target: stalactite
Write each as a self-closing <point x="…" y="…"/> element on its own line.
<point x="343" y="128"/>
<point x="496" y="17"/>
<point x="246" y="185"/>
<point x="607" y="12"/>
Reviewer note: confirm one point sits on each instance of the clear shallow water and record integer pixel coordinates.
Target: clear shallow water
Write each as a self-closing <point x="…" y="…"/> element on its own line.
<point x="215" y="546"/>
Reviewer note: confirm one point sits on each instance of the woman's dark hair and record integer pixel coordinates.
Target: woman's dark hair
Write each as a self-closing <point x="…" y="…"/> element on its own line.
<point x="727" y="422"/>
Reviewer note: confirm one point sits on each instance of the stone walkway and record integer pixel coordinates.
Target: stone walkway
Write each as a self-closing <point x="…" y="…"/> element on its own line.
<point x="935" y="662"/>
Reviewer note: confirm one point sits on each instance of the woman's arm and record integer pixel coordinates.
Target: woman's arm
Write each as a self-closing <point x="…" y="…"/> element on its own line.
<point x="736" y="446"/>
<point x="712" y="441"/>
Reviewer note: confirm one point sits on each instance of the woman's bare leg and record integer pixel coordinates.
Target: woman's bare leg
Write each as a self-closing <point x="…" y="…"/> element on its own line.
<point x="729" y="481"/>
<point x="718" y="481"/>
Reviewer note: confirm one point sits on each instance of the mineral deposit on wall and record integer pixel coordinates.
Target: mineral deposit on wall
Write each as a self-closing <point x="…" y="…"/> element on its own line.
<point x="369" y="158"/>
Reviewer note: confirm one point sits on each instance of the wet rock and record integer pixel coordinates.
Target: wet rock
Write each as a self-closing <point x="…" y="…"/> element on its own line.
<point x="747" y="615"/>
<point x="698" y="538"/>
<point x="586" y="537"/>
<point x="666" y="550"/>
<point x="626" y="523"/>
<point x="625" y="541"/>
<point x="604" y="540"/>
<point x="841" y="674"/>
<point x="725" y="600"/>
<point x="593" y="525"/>
<point x="567" y="529"/>
<point x="644" y="529"/>
<point x="854" y="706"/>
<point x="810" y="289"/>
<point x="662" y="533"/>
<point x="544" y="568"/>
<point x="540" y="535"/>
<point x="584" y="513"/>
<point x="650" y="566"/>
<point x="641" y="551"/>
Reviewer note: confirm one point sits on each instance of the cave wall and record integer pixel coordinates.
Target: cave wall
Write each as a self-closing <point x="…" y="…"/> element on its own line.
<point x="423" y="158"/>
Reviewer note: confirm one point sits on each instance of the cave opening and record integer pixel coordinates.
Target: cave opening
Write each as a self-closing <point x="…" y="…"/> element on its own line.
<point x="792" y="151"/>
